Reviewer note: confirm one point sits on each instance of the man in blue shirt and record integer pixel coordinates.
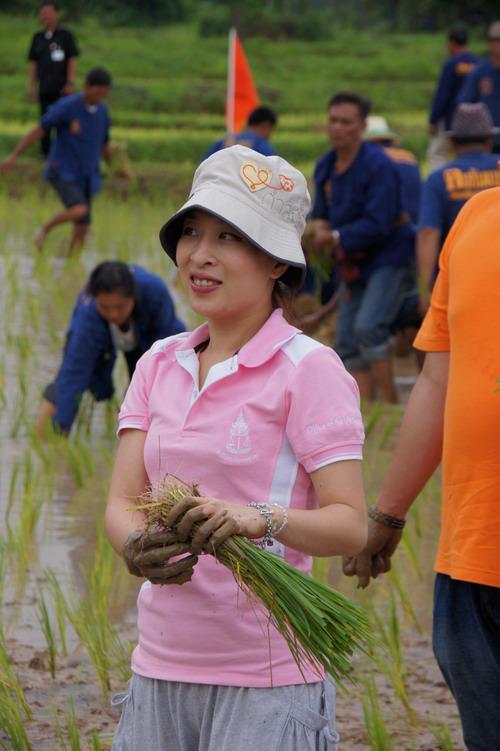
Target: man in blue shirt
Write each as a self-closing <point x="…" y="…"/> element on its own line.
<point x="457" y="67"/>
<point x="449" y="187"/>
<point x="122" y="308"/>
<point x="358" y="191"/>
<point x="483" y="83"/>
<point x="82" y="124"/>
<point x="261" y="123"/>
<point x="378" y="131"/>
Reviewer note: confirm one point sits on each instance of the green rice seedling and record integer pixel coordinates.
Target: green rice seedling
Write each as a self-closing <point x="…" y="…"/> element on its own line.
<point x="59" y="603"/>
<point x="96" y="742"/>
<point x="3" y="399"/>
<point x="89" y="616"/>
<point x="391" y="425"/>
<point x="83" y="421"/>
<point x="379" y="736"/>
<point x="70" y="739"/>
<point x="390" y="660"/>
<point x="373" y="417"/>
<point x="48" y="632"/>
<point x="408" y="545"/>
<point x="320" y="569"/>
<point x="11" y="690"/>
<point x="443" y="737"/>
<point x="405" y="601"/>
<point x="320" y="625"/>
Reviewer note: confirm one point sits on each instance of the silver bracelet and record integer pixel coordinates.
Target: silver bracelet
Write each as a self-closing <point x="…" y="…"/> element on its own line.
<point x="266" y="510"/>
<point x="284" y="519"/>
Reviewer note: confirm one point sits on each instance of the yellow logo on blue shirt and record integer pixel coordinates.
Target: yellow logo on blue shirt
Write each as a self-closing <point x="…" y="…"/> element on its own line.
<point x="75" y="127"/>
<point x="462" y="185"/>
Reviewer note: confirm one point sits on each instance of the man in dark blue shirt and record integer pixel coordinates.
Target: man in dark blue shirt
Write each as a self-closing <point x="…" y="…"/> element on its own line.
<point x="378" y="131"/>
<point x="122" y="308"/>
<point x="82" y="124"/>
<point x="358" y="191"/>
<point x="483" y="83"/>
<point x="261" y="123"/>
<point x="449" y="187"/>
<point x="453" y="74"/>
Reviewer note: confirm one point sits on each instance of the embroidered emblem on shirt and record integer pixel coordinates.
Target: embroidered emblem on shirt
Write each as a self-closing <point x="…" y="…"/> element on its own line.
<point x="239" y="441"/>
<point x="257" y="178"/>
<point x="238" y="446"/>
<point x="75" y="128"/>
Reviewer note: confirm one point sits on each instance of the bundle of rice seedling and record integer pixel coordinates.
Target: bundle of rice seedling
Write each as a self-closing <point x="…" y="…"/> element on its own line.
<point x="320" y="625"/>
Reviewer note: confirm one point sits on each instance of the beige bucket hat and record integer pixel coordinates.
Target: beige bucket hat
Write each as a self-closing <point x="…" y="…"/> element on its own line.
<point x="263" y="197"/>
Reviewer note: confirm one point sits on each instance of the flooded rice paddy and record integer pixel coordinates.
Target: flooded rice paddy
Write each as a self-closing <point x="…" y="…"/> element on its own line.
<point x="67" y="603"/>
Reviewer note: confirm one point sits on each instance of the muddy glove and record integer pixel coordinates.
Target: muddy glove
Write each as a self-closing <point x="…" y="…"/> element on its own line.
<point x="147" y="553"/>
<point x="375" y="559"/>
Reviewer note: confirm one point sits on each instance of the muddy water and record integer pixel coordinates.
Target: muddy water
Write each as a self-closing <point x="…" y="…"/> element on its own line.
<point x="65" y="533"/>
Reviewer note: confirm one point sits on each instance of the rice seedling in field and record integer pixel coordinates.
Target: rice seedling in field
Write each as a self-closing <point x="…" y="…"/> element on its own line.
<point x="11" y="692"/>
<point x="390" y="659"/>
<point x="70" y="739"/>
<point x="379" y="736"/>
<point x="48" y="632"/>
<point x="59" y="603"/>
<point x="443" y="737"/>
<point x="320" y="625"/>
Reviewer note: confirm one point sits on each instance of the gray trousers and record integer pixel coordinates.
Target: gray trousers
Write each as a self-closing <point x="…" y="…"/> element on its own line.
<point x="169" y="716"/>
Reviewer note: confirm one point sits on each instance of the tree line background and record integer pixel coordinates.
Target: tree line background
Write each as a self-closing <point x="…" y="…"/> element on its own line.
<point x="280" y="19"/>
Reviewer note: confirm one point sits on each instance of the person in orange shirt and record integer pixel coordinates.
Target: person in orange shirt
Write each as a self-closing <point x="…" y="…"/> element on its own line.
<point x="453" y="415"/>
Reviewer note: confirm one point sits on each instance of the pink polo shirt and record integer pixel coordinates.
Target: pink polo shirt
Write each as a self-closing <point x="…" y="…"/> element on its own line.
<point x="265" y="419"/>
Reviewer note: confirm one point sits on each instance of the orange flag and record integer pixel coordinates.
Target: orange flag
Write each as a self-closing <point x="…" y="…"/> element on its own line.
<point x="242" y="95"/>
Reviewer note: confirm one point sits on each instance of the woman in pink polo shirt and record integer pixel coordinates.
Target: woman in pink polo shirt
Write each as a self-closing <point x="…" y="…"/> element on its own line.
<point x="266" y="421"/>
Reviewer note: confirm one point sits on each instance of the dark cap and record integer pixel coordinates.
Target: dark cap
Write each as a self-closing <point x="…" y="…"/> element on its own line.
<point x="472" y="121"/>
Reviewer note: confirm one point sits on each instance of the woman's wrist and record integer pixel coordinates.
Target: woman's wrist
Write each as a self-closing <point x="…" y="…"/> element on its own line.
<point x="275" y="518"/>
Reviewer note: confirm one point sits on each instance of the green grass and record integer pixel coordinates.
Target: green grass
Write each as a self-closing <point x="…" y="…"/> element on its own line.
<point x="167" y="100"/>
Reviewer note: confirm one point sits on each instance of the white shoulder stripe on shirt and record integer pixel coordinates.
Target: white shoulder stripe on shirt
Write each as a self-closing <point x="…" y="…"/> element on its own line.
<point x="162" y="344"/>
<point x="300" y="346"/>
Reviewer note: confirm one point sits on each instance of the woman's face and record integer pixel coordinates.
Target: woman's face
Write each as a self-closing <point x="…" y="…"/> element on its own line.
<point x="115" y="307"/>
<point x="223" y="273"/>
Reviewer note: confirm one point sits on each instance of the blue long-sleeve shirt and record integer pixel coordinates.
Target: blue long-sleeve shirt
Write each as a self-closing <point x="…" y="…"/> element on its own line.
<point x="365" y="205"/>
<point x="247" y="138"/>
<point x="82" y="131"/>
<point x="483" y="85"/>
<point x="411" y="181"/>
<point x="90" y="353"/>
<point x="453" y="74"/>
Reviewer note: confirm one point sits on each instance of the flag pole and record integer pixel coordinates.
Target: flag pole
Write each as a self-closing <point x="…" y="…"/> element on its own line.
<point x="230" y="82"/>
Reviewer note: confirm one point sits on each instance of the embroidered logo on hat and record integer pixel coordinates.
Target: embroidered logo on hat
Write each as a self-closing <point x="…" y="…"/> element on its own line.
<point x="257" y="178"/>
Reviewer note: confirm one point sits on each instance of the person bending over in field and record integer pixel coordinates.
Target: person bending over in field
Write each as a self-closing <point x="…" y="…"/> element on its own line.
<point x="124" y="308"/>
<point x="267" y="422"/>
<point x="82" y="127"/>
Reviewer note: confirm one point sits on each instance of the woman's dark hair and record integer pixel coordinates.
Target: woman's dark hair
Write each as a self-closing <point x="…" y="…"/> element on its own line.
<point x="282" y="297"/>
<point x="112" y="276"/>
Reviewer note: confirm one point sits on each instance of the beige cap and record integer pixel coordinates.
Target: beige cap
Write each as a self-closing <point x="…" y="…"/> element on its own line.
<point x="377" y="128"/>
<point x="264" y="197"/>
<point x="494" y="30"/>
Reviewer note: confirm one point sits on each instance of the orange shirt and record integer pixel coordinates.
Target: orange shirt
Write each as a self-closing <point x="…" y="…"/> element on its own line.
<point x="464" y="319"/>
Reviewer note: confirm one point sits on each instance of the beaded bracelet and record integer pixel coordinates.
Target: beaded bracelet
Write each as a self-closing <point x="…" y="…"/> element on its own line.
<point x="383" y="518"/>
<point x="266" y="510"/>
